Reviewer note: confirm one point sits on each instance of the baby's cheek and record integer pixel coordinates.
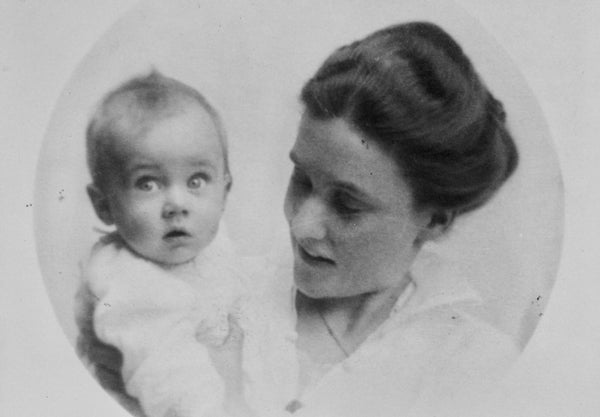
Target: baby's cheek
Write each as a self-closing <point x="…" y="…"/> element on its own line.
<point x="140" y="227"/>
<point x="208" y="222"/>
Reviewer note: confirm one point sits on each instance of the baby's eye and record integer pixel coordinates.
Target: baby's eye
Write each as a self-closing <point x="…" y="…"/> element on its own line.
<point x="146" y="184"/>
<point x="197" y="181"/>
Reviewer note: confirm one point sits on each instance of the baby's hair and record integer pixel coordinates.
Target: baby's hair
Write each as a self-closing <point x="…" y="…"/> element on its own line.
<point x="131" y="109"/>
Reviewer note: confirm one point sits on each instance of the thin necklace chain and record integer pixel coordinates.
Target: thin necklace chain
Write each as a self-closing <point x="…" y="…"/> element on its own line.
<point x="332" y="334"/>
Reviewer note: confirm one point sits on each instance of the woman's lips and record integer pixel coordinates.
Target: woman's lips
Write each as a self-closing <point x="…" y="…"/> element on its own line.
<point x="314" y="260"/>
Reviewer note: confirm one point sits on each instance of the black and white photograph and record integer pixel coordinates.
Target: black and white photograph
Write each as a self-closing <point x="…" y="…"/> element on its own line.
<point x="323" y="208"/>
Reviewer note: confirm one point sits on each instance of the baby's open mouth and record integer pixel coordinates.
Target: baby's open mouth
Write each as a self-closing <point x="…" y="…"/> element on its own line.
<point x="173" y="234"/>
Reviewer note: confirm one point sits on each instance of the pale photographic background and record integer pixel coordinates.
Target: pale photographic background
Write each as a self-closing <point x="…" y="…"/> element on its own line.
<point x="49" y="87"/>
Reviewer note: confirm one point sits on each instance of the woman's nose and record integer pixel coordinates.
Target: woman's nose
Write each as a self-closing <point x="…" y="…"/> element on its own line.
<point x="175" y="204"/>
<point x="308" y="220"/>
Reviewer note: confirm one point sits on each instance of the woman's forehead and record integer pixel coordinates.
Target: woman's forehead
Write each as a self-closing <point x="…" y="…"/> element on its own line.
<point x="335" y="151"/>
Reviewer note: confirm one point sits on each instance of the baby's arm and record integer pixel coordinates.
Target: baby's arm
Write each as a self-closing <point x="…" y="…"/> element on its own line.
<point x="153" y="322"/>
<point x="178" y="378"/>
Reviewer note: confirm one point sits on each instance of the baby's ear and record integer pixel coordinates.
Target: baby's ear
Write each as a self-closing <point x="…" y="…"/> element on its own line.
<point x="100" y="203"/>
<point x="439" y="222"/>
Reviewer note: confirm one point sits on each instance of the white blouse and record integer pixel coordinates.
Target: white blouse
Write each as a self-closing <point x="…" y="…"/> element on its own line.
<point x="432" y="356"/>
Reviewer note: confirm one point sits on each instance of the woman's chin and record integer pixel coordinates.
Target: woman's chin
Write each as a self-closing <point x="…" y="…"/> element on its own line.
<point x="317" y="286"/>
<point x="312" y="285"/>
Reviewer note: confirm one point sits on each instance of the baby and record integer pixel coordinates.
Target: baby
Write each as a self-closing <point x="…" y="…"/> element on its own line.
<point x="165" y="282"/>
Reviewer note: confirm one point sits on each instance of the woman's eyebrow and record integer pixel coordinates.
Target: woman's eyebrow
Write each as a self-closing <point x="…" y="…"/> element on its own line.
<point x="342" y="185"/>
<point x="352" y="189"/>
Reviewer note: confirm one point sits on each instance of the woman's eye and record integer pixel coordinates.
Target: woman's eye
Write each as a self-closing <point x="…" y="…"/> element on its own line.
<point x="197" y="181"/>
<point x="345" y="206"/>
<point x="146" y="184"/>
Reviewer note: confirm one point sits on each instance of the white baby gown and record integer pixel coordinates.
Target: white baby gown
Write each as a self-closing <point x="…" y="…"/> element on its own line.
<point x="157" y="318"/>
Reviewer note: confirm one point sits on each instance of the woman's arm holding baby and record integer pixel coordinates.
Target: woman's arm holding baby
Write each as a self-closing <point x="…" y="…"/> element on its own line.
<point x="105" y="360"/>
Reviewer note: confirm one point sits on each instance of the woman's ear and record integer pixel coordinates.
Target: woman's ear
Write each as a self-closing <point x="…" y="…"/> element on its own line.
<point x="100" y="203"/>
<point x="439" y="222"/>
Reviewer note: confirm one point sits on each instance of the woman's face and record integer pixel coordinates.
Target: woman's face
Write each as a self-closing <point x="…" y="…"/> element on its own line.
<point x="350" y="213"/>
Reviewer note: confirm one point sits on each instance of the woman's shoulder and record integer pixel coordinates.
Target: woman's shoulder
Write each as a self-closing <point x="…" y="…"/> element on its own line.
<point x="440" y="333"/>
<point x="445" y="304"/>
<point x="449" y="328"/>
<point x="462" y="357"/>
<point x="439" y="329"/>
<point x="430" y="361"/>
<point x="444" y="352"/>
<point x="453" y="329"/>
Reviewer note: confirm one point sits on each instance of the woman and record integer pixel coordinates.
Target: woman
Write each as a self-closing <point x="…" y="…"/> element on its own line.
<point x="398" y="138"/>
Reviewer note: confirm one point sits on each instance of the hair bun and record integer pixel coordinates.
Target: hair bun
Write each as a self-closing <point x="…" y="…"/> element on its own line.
<point x="411" y="88"/>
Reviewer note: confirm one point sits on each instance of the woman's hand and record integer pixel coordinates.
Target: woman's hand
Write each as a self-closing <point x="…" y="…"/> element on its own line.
<point x="106" y="360"/>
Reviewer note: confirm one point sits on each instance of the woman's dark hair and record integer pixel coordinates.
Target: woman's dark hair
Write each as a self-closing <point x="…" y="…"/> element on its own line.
<point x="411" y="89"/>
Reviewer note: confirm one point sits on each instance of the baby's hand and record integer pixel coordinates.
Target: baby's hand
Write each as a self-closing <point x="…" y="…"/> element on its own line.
<point x="227" y="356"/>
<point x="227" y="359"/>
<point x="213" y="332"/>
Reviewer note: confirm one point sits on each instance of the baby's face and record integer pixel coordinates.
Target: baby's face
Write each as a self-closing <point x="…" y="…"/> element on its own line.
<point x="169" y="192"/>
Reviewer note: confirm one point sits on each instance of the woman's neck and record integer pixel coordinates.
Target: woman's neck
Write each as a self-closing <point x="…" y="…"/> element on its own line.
<point x="350" y="320"/>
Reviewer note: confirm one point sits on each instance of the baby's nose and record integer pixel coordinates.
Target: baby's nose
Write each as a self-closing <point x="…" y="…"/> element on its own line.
<point x="173" y="210"/>
<point x="175" y="205"/>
